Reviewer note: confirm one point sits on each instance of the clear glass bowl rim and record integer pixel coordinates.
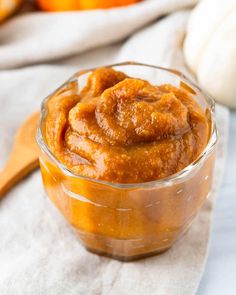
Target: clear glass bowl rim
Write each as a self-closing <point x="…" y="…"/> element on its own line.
<point x="167" y="181"/>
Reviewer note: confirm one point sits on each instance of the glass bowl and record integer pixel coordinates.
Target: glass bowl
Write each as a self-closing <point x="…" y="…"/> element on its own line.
<point x="130" y="221"/>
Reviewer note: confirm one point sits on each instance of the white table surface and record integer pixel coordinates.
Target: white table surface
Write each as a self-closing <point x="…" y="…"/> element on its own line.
<point x="220" y="273"/>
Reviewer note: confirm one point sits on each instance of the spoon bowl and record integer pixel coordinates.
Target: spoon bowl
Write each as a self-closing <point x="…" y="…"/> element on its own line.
<point x="23" y="157"/>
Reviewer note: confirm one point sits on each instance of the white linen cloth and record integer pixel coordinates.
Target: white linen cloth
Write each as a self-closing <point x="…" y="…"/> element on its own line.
<point x="37" y="37"/>
<point x="39" y="253"/>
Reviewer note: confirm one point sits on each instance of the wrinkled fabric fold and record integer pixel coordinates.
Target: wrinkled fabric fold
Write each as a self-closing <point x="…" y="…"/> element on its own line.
<point x="41" y="37"/>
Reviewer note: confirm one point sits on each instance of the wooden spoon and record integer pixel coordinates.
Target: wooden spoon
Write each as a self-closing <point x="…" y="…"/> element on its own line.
<point x="24" y="155"/>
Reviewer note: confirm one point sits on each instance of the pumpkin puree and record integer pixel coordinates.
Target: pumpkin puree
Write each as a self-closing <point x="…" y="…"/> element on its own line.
<point x="125" y="130"/>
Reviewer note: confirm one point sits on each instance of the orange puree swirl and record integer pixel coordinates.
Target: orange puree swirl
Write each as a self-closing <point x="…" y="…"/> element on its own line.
<point x="125" y="130"/>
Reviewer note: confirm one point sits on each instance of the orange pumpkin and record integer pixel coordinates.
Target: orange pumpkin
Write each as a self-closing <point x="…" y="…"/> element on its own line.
<point x="7" y="7"/>
<point x="93" y="4"/>
<point x="63" y="5"/>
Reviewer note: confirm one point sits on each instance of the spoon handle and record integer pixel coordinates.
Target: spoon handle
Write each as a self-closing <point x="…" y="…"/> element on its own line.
<point x="12" y="174"/>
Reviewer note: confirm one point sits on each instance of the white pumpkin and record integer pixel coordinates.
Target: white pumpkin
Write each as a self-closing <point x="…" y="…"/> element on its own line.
<point x="210" y="48"/>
